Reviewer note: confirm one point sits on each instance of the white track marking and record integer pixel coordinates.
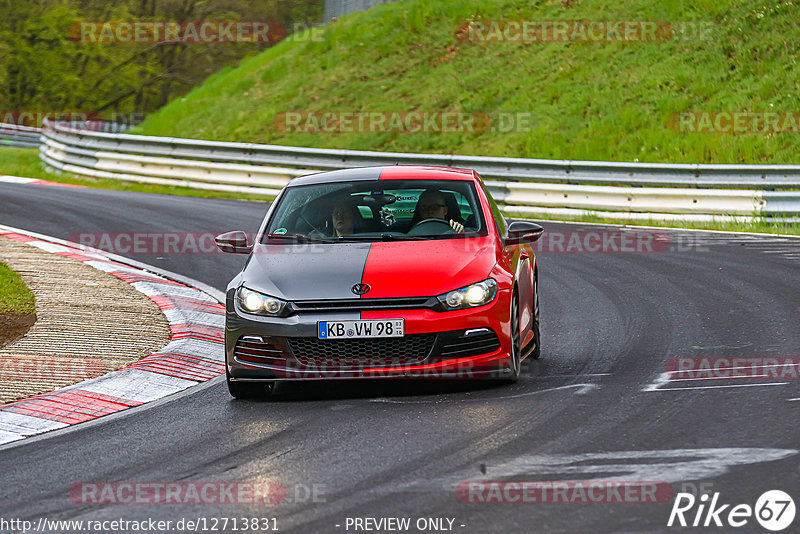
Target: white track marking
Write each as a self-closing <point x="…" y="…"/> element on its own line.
<point x="717" y="378"/>
<point x="753" y="366"/>
<point x="8" y="437"/>
<point x="173" y="291"/>
<point x="668" y="466"/>
<point x="179" y="316"/>
<point x="195" y="347"/>
<point x="26" y="424"/>
<point x="584" y="388"/>
<point x="666" y="378"/>
<point x="662" y="379"/>
<point x="137" y="385"/>
<point x="51" y="247"/>
<point x="16" y="180"/>
<point x="720" y="387"/>
<point x="570" y="376"/>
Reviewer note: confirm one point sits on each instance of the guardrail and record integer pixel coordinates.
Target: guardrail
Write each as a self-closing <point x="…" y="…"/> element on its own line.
<point x="528" y="186"/>
<point x="19" y="136"/>
<point x="29" y="137"/>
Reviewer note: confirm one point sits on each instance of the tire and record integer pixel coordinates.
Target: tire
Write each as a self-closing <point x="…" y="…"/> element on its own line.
<point x="516" y="342"/>
<point x="537" y="338"/>
<point x="250" y="390"/>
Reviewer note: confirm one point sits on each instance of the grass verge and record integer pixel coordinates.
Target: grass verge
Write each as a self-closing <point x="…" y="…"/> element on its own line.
<point x="15" y="297"/>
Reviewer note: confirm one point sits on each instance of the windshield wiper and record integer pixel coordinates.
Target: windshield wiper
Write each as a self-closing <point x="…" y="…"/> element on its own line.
<point x="298" y="238"/>
<point x="302" y="238"/>
<point x="404" y="237"/>
<point x="381" y="237"/>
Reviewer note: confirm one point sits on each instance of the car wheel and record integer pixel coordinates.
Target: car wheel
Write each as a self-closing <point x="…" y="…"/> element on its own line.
<point x="516" y="342"/>
<point x="537" y="338"/>
<point x="249" y="390"/>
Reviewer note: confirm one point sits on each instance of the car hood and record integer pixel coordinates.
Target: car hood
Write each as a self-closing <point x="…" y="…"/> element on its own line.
<point x="391" y="269"/>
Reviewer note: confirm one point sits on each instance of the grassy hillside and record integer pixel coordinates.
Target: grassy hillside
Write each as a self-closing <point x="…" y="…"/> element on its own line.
<point x="587" y="100"/>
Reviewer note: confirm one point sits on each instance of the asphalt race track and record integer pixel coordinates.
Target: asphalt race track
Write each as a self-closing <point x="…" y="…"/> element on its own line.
<point x="596" y="406"/>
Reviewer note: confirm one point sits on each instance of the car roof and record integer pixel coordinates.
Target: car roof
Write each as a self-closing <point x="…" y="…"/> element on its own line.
<point x="393" y="172"/>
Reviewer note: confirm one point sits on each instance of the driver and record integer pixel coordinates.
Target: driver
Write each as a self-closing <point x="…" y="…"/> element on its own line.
<point x="344" y="217"/>
<point x="432" y="205"/>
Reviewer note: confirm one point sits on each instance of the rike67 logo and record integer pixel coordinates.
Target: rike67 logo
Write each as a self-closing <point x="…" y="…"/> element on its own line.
<point x="774" y="510"/>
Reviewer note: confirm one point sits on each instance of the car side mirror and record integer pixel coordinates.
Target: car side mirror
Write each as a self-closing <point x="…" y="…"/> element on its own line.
<point x="523" y="232"/>
<point x="234" y="242"/>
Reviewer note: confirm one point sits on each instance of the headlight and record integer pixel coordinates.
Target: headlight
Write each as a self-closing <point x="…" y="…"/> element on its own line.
<point x="470" y="296"/>
<point x="258" y="304"/>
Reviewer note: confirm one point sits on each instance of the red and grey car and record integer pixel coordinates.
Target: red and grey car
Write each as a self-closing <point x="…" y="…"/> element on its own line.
<point x="382" y="272"/>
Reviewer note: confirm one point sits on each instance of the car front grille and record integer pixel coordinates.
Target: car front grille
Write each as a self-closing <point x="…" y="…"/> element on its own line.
<point x="473" y="345"/>
<point x="365" y="304"/>
<point x="345" y="354"/>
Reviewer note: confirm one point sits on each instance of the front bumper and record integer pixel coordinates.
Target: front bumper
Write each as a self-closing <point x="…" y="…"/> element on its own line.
<point x="468" y="344"/>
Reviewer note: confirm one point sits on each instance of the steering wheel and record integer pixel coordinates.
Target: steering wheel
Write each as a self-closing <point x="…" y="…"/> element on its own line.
<point x="431" y="226"/>
<point x="302" y="217"/>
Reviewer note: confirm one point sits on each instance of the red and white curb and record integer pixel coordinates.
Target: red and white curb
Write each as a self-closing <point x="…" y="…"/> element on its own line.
<point x="33" y="181"/>
<point x="194" y="354"/>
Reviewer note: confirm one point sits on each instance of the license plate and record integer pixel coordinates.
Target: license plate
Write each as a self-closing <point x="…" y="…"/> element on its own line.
<point x="361" y="329"/>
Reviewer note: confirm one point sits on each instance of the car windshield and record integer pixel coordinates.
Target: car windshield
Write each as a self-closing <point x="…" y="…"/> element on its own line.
<point x="377" y="210"/>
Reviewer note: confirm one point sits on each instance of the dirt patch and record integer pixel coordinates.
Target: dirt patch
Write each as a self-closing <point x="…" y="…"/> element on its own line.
<point x="14" y="326"/>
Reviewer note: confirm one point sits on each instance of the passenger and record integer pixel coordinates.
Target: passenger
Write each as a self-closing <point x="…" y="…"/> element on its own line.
<point x="432" y="205"/>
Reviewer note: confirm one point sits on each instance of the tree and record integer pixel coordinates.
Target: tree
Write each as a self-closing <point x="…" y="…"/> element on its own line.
<point x="47" y="64"/>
